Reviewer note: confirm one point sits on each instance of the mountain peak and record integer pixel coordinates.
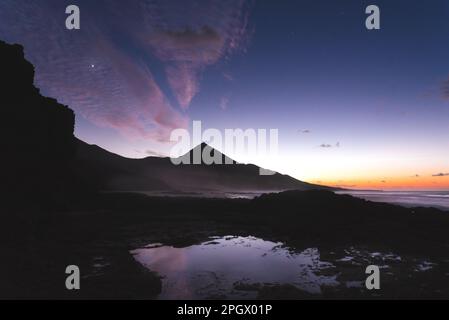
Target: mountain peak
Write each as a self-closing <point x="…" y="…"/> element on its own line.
<point x="196" y="156"/>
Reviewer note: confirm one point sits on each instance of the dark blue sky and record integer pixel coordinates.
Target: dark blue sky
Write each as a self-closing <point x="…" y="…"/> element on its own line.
<point x="137" y="70"/>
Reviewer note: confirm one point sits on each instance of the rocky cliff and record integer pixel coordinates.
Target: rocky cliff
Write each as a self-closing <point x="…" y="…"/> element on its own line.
<point x="37" y="140"/>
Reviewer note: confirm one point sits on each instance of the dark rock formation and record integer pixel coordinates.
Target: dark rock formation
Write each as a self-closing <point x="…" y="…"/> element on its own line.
<point x="44" y="166"/>
<point x="37" y="135"/>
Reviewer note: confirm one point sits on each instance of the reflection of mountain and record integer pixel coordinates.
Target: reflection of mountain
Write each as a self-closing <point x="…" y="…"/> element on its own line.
<point x="117" y="173"/>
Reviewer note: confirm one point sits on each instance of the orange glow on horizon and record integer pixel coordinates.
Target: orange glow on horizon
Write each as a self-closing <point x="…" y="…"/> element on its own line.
<point x="398" y="183"/>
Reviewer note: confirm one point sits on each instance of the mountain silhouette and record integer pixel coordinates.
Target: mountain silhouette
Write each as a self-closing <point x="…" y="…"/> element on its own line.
<point x="116" y="173"/>
<point x="44" y="164"/>
<point x="194" y="156"/>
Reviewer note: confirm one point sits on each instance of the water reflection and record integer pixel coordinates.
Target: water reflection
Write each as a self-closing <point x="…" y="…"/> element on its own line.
<point x="220" y="267"/>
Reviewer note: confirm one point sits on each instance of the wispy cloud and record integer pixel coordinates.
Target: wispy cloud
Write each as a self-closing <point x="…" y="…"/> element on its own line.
<point x="104" y="71"/>
<point x="440" y="175"/>
<point x="224" y="102"/>
<point x="228" y="76"/>
<point x="327" y="145"/>
<point x="193" y="36"/>
<point x="152" y="153"/>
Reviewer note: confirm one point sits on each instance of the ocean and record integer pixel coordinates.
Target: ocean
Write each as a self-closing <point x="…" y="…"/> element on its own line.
<point x="435" y="199"/>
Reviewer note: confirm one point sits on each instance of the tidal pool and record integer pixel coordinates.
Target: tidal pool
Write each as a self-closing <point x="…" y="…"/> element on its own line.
<point x="221" y="267"/>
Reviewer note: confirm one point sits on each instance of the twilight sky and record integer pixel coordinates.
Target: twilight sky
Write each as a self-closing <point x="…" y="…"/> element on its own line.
<point x="354" y="108"/>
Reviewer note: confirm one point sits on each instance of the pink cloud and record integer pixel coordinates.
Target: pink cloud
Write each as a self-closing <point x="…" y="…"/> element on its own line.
<point x="183" y="79"/>
<point x="189" y="45"/>
<point x="102" y="71"/>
